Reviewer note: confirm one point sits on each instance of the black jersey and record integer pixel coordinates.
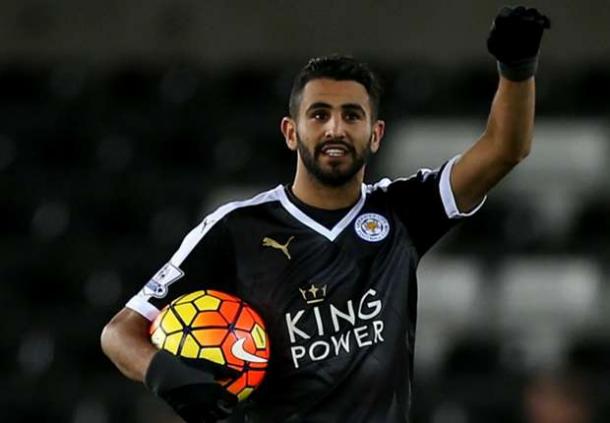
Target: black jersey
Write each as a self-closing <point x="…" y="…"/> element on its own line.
<point x="339" y="303"/>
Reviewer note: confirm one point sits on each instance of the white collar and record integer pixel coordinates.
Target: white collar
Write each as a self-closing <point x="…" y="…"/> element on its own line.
<point x="331" y="234"/>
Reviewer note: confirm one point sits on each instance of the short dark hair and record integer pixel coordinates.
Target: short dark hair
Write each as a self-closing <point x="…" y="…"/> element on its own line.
<point x="339" y="68"/>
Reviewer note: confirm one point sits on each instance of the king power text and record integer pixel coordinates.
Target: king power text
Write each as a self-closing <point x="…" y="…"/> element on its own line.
<point x="336" y="330"/>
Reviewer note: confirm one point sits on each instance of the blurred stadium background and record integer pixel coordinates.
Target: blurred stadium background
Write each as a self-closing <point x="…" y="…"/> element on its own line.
<point x="122" y="123"/>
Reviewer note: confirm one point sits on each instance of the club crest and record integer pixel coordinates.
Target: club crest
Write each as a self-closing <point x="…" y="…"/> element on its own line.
<point x="372" y="227"/>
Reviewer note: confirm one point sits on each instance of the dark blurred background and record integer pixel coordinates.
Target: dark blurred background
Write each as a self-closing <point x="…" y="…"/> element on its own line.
<point x="122" y="123"/>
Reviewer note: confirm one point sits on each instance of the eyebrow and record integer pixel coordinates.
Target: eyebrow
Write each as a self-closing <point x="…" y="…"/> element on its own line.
<point x="347" y="106"/>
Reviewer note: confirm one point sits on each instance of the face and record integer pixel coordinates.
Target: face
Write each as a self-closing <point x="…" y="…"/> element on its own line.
<point x="333" y="133"/>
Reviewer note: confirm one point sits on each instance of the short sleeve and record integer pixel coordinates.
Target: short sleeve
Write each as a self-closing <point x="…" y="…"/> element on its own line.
<point x="204" y="260"/>
<point x="426" y="205"/>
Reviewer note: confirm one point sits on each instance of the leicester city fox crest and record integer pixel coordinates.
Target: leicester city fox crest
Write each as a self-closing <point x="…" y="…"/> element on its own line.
<point x="372" y="227"/>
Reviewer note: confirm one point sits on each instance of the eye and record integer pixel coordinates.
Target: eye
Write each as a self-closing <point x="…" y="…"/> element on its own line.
<point x="352" y="116"/>
<point x="319" y="114"/>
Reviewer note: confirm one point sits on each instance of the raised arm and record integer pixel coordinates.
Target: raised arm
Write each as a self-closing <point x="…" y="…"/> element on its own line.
<point x="514" y="40"/>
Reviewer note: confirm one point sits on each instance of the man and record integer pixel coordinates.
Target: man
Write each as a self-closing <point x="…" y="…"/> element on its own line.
<point x="337" y="286"/>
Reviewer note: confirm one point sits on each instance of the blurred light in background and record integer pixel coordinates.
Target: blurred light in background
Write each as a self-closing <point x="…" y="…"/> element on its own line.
<point x="50" y="219"/>
<point x="114" y="152"/>
<point x="36" y="352"/>
<point x="103" y="288"/>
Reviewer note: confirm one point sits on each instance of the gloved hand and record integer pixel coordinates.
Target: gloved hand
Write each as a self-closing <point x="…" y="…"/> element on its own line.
<point x="514" y="39"/>
<point x="191" y="387"/>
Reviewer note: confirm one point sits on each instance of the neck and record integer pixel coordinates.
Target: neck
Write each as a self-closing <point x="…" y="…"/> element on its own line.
<point x="312" y="192"/>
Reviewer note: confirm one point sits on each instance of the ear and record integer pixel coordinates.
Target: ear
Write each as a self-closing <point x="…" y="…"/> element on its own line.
<point x="377" y="135"/>
<point x="289" y="129"/>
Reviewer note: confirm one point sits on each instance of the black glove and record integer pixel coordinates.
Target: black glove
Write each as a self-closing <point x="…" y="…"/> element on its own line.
<point x="514" y="39"/>
<point x="190" y="387"/>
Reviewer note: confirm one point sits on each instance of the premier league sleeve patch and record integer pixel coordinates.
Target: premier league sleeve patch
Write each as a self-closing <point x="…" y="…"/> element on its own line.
<point x="158" y="285"/>
<point x="372" y="227"/>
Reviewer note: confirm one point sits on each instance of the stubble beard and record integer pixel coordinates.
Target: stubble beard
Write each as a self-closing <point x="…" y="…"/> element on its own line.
<point x="333" y="175"/>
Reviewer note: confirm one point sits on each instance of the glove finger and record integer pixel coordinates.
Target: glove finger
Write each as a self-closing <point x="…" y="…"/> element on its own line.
<point x="509" y="15"/>
<point x="216" y="414"/>
<point x="195" y="414"/>
<point x="544" y="21"/>
<point x="530" y="15"/>
<point x="224" y="405"/>
<point x="519" y="11"/>
<point x="541" y="21"/>
<point x="505" y="12"/>
<point x="202" y="403"/>
<point x="225" y="410"/>
<point x="226" y="399"/>
<point x="503" y="15"/>
<point x="533" y="15"/>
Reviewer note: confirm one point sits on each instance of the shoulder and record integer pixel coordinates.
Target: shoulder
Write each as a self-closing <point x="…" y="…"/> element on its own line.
<point x="214" y="225"/>
<point x="228" y="209"/>
<point x="387" y="185"/>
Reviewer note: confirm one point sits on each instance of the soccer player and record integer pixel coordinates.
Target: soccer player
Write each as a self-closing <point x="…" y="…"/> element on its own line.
<point x="328" y="261"/>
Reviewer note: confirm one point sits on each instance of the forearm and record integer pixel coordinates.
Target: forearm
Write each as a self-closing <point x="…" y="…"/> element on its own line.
<point x="192" y="391"/>
<point x="126" y="343"/>
<point x="505" y="142"/>
<point x="510" y="125"/>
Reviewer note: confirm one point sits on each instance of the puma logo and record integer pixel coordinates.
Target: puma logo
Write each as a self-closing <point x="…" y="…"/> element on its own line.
<point x="268" y="242"/>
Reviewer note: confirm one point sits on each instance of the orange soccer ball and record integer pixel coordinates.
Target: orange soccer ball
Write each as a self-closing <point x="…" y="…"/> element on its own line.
<point x="212" y="325"/>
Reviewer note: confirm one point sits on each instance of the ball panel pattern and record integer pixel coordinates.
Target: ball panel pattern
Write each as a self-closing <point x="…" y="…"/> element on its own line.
<point x="212" y="325"/>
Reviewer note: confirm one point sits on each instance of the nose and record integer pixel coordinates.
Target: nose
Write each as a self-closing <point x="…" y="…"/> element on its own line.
<point x="334" y="128"/>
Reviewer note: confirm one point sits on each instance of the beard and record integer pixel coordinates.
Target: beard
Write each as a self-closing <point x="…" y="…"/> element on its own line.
<point x="333" y="175"/>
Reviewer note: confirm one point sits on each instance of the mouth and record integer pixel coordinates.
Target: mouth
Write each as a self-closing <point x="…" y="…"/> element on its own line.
<point x="335" y="150"/>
